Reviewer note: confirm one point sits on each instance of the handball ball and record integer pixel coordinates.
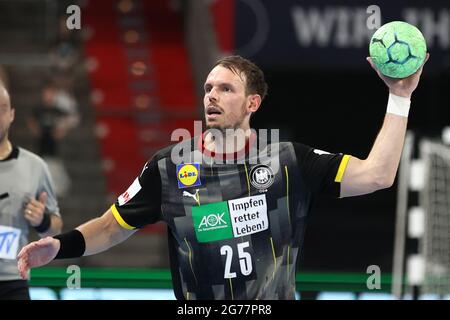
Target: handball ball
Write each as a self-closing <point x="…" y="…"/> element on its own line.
<point x="398" y="49"/>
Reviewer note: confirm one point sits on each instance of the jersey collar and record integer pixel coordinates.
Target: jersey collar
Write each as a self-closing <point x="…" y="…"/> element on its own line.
<point x="13" y="155"/>
<point x="227" y="156"/>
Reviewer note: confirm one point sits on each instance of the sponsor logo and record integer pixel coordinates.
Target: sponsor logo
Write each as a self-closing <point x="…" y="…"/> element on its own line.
<point x="188" y="175"/>
<point x="126" y="197"/>
<point x="248" y="215"/>
<point x="261" y="177"/>
<point x="9" y="242"/>
<point x="230" y="219"/>
<point x="320" y="152"/>
<point x="130" y="193"/>
<point x="194" y="196"/>
<point x="145" y="168"/>
<point x="212" y="222"/>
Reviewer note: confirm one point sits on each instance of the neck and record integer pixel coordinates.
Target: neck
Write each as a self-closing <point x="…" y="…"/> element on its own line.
<point x="226" y="141"/>
<point x="5" y="149"/>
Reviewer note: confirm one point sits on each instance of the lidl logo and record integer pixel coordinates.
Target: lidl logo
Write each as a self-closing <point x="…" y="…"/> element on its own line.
<point x="188" y="175"/>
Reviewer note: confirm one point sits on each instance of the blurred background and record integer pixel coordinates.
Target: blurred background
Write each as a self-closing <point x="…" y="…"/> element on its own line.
<point x="97" y="101"/>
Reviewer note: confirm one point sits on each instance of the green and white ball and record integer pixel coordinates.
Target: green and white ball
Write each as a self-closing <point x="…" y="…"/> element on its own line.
<point x="398" y="49"/>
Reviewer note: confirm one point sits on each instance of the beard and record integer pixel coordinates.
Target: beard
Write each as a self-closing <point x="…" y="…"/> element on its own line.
<point x="236" y="124"/>
<point x="224" y="127"/>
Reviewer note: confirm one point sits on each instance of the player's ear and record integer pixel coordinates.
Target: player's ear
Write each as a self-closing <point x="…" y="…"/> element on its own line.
<point x="254" y="102"/>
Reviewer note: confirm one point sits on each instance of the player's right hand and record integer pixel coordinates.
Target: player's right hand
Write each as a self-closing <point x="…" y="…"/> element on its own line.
<point x="401" y="87"/>
<point x="36" y="254"/>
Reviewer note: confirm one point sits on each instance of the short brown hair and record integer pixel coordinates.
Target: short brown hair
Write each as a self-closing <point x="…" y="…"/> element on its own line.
<point x="256" y="84"/>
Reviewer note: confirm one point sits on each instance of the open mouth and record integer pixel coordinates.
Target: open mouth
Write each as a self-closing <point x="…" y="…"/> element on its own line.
<point x="213" y="111"/>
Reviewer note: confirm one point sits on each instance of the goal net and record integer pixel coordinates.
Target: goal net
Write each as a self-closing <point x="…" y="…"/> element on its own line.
<point x="434" y="198"/>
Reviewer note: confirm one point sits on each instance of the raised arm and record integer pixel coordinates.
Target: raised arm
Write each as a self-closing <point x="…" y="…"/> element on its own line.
<point x="379" y="169"/>
<point x="94" y="236"/>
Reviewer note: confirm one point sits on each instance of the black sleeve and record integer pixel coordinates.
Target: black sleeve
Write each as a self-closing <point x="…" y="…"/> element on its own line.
<point x="141" y="203"/>
<point x="321" y="171"/>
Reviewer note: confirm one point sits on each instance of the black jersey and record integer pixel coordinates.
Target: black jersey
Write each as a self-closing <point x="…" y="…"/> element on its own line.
<point x="235" y="230"/>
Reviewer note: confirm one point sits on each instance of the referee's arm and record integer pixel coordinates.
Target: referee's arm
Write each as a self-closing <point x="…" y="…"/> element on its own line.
<point x="378" y="171"/>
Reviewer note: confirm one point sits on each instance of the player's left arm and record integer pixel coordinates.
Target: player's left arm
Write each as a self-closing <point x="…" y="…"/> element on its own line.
<point x="379" y="169"/>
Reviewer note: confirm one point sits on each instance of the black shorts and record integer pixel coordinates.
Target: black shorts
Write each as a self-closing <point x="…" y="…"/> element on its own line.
<point x="14" y="290"/>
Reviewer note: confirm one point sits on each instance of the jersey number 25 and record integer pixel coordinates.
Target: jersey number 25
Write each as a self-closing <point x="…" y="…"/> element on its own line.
<point x="245" y="260"/>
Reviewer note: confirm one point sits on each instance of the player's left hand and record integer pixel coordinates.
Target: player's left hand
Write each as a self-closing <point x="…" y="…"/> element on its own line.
<point x="34" y="210"/>
<point x="401" y="87"/>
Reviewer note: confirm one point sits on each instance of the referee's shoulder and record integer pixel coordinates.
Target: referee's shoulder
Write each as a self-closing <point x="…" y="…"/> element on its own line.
<point x="27" y="155"/>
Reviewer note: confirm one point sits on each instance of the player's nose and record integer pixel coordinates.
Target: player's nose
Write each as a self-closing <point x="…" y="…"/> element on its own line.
<point x="212" y="95"/>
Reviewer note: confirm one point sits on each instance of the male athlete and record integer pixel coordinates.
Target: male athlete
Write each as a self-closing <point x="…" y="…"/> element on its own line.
<point x="236" y="220"/>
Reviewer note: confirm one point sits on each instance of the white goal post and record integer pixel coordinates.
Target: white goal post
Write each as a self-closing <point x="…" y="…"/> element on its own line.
<point x="423" y="219"/>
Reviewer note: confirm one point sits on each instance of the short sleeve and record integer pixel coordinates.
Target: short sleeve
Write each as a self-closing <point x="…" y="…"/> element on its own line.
<point x="46" y="185"/>
<point x="322" y="171"/>
<point x="140" y="204"/>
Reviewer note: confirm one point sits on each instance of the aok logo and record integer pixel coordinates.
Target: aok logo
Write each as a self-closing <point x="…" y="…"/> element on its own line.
<point x="213" y="221"/>
<point x="188" y="175"/>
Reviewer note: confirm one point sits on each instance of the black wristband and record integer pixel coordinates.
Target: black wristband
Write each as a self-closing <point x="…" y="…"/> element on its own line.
<point x="45" y="224"/>
<point x="72" y="244"/>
